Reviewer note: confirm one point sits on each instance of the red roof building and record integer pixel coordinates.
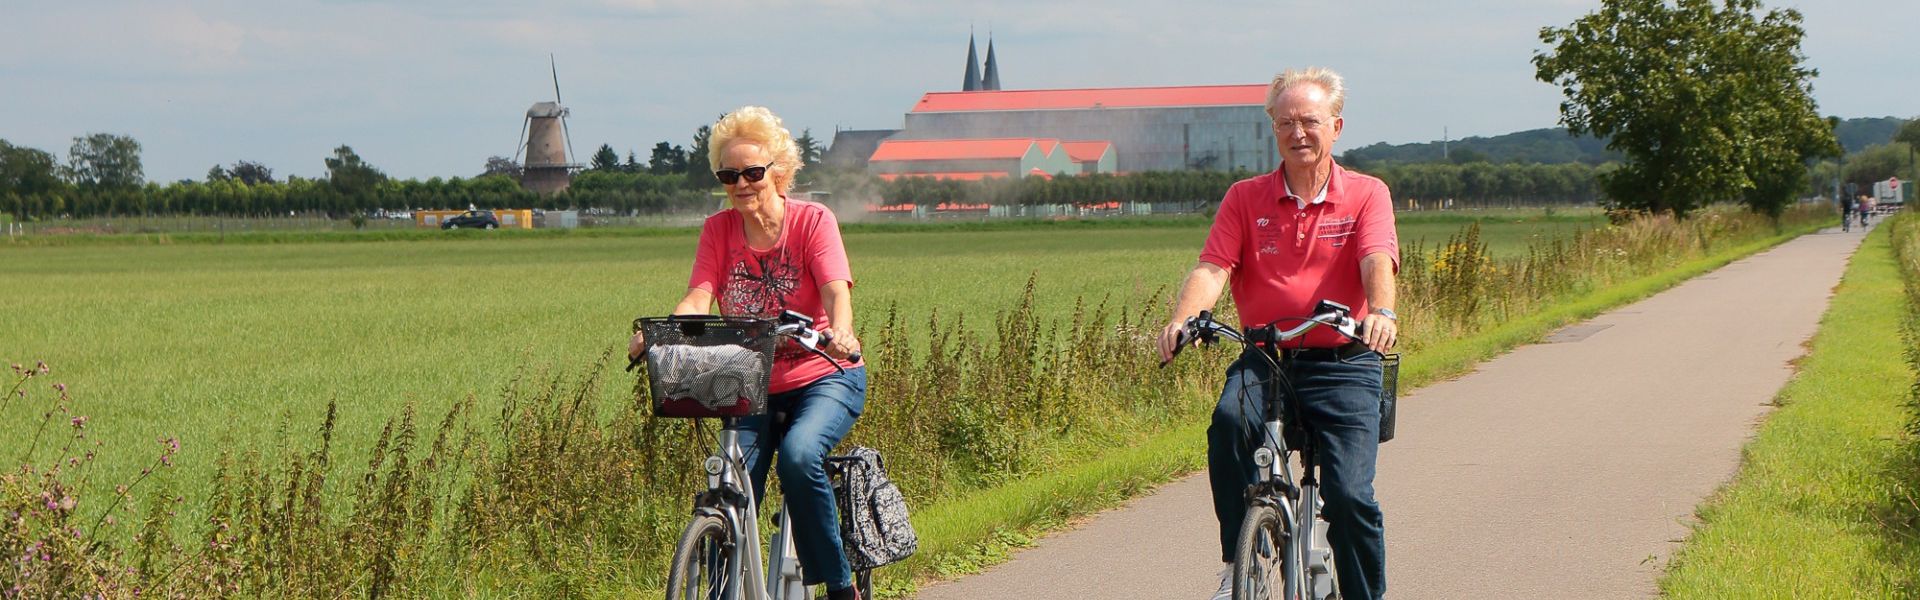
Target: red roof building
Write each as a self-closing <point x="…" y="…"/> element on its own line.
<point x="1209" y="127"/>
<point x="1094" y="156"/>
<point x="971" y="159"/>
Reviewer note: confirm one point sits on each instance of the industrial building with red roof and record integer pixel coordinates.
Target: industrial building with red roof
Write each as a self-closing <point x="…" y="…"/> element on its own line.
<point x="1099" y="130"/>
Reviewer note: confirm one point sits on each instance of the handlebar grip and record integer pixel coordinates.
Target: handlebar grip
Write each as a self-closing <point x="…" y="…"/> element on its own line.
<point x="826" y="337"/>
<point x="1180" y="341"/>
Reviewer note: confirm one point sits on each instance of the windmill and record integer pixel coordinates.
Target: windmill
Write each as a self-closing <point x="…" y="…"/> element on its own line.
<point x="546" y="143"/>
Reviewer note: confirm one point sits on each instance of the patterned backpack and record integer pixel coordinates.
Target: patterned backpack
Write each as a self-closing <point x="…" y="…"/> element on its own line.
<point x="873" y="514"/>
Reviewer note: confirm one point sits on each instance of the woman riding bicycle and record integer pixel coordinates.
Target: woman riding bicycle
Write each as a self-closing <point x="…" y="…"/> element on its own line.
<point x="764" y="255"/>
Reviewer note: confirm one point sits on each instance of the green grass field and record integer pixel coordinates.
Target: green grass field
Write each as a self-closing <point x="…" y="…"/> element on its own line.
<point x="221" y="344"/>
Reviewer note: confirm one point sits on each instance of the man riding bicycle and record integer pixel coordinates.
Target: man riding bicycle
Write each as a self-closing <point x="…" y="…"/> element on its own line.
<point x="1308" y="231"/>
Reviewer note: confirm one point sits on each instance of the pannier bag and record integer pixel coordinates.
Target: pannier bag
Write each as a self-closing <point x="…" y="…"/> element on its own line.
<point x="873" y="514"/>
<point x="1389" y="388"/>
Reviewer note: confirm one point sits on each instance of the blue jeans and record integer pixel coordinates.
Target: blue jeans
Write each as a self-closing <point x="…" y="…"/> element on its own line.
<point x="1341" y="398"/>
<point x="818" y="417"/>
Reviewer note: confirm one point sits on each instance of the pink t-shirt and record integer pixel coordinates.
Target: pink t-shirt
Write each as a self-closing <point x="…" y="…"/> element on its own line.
<point x="755" y="283"/>
<point x="1286" y="259"/>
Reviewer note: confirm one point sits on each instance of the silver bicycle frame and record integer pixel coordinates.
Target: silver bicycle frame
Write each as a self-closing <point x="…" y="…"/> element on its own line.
<point x="776" y="577"/>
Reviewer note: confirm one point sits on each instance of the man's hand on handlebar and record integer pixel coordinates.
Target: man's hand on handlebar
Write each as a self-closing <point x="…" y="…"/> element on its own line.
<point x="1171" y="337"/>
<point x="1379" y="333"/>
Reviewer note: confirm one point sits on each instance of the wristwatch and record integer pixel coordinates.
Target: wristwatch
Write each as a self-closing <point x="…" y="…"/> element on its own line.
<point x="1388" y="313"/>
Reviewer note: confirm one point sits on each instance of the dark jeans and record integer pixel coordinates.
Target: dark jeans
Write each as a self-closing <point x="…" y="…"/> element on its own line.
<point x="818" y="417"/>
<point x="1342" y="401"/>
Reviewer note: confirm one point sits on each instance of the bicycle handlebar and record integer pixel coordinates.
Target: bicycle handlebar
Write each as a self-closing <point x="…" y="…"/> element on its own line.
<point x="1206" y="331"/>
<point x="794" y="326"/>
<point x="799" y="328"/>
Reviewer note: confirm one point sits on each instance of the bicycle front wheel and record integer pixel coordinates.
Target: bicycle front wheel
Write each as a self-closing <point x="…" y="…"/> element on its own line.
<point x="1261" y="569"/>
<point x="705" y="565"/>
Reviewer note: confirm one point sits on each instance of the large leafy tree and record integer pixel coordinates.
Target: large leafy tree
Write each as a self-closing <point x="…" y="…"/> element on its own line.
<point x="27" y="171"/>
<point x="501" y="165"/>
<point x="1707" y="101"/>
<point x="105" y="160"/>
<point x="351" y="176"/>
<point x="250" y="173"/>
<point x="1909" y="134"/>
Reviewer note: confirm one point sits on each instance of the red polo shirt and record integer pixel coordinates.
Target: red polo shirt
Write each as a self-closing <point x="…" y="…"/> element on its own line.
<point x="1285" y="259"/>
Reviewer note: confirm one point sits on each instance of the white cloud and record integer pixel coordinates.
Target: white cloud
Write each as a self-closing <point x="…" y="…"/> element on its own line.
<point x="196" y="42"/>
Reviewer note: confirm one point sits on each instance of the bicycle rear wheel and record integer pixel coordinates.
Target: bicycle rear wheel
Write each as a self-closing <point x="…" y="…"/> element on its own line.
<point x="704" y="563"/>
<point x="1261" y="570"/>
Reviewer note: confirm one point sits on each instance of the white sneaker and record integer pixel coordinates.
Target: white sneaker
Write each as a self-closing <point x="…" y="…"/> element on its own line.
<point x="1226" y="584"/>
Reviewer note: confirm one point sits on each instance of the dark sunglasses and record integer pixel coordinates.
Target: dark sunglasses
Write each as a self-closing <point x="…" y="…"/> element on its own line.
<point x="732" y="176"/>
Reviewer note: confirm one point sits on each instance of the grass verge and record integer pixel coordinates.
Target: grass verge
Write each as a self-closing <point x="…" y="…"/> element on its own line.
<point x="967" y="534"/>
<point x="1823" y="505"/>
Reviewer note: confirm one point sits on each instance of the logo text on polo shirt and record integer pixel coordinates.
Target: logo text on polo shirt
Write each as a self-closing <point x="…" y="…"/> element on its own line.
<point x="1336" y="231"/>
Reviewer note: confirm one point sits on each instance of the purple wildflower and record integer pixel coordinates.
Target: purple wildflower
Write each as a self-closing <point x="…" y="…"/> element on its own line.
<point x="41" y="366"/>
<point x="79" y="422"/>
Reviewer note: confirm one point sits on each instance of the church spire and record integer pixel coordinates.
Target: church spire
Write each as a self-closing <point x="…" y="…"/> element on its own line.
<point x="972" y="84"/>
<point x="991" y="81"/>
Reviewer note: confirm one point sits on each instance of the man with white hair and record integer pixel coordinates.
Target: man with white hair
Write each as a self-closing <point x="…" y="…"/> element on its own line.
<point x="1306" y="232"/>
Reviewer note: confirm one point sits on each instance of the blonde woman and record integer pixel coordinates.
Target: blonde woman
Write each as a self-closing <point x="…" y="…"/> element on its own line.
<point x="765" y="254"/>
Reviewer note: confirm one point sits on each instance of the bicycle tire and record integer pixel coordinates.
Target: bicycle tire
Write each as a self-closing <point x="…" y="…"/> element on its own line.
<point x="1260" y="568"/>
<point x="704" y="561"/>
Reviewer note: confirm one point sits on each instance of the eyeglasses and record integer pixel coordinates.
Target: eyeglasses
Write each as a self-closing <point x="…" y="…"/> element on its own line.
<point x="732" y="176"/>
<point x="1286" y="125"/>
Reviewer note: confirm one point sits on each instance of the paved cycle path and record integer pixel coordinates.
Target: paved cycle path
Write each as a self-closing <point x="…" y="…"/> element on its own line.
<point x="1564" y="469"/>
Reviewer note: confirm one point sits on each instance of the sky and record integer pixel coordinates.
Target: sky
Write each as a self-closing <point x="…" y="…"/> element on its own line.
<point x="424" y="88"/>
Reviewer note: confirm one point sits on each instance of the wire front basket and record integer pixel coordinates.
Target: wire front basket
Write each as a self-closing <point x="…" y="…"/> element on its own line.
<point x="707" y="366"/>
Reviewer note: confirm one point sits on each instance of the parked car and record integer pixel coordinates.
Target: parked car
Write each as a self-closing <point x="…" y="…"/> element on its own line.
<point x="473" y="219"/>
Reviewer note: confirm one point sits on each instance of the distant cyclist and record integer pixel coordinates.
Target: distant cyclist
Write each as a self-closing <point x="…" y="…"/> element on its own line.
<point x="1308" y="231"/>
<point x="764" y="255"/>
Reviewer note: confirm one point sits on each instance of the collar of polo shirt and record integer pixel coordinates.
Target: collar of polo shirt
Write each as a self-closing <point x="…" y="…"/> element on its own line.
<point x="1302" y="202"/>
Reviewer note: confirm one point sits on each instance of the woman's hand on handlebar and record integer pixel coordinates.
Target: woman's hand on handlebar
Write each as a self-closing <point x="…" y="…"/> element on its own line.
<point x="636" y="344"/>
<point x="840" y="343"/>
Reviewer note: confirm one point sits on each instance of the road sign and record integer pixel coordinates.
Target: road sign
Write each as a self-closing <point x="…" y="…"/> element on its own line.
<point x="1887" y="191"/>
